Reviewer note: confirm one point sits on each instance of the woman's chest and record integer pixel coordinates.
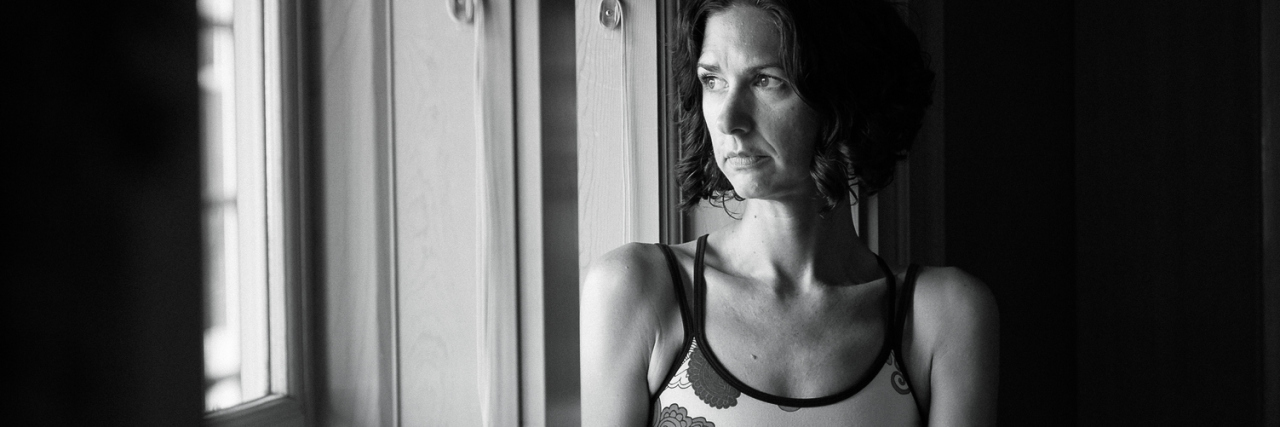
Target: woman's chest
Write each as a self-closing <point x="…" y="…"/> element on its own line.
<point x="700" y="395"/>
<point x="803" y="350"/>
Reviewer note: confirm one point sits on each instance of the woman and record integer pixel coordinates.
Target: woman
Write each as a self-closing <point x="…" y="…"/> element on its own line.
<point x="785" y="317"/>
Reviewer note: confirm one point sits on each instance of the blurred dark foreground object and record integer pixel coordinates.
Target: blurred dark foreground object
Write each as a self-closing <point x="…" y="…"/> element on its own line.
<point x="102" y="301"/>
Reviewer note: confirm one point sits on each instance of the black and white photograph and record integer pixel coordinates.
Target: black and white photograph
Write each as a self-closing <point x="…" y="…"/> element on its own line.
<point x="644" y="213"/>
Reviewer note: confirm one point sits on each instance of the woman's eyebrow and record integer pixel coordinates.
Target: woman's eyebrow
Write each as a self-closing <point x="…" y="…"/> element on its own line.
<point x="764" y="66"/>
<point x="713" y="68"/>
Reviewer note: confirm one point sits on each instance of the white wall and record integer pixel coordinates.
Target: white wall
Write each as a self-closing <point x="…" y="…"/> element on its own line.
<point x="418" y="246"/>
<point x="354" y="363"/>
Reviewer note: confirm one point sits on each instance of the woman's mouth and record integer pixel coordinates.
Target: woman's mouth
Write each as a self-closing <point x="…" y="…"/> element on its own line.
<point x="739" y="162"/>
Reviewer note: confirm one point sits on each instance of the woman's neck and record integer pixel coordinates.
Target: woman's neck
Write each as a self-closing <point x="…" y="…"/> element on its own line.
<point x="790" y="244"/>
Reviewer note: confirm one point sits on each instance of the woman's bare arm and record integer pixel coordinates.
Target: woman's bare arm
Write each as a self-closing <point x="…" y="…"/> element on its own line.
<point x="620" y="323"/>
<point x="960" y="320"/>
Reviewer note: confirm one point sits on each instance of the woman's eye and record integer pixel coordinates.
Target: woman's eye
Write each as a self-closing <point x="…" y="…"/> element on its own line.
<point x="712" y="82"/>
<point x="767" y="82"/>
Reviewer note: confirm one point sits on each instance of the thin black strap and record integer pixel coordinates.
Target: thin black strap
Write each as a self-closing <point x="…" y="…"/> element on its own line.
<point x="891" y="338"/>
<point x="899" y="324"/>
<point x="677" y="279"/>
<point x="908" y="292"/>
<point x="699" y="289"/>
<point x="686" y="319"/>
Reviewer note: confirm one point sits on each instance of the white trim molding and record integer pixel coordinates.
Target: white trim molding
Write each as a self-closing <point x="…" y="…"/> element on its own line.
<point x="618" y="187"/>
<point x="498" y="379"/>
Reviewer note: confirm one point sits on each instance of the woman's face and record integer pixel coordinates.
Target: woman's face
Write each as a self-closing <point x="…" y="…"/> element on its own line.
<point x="762" y="133"/>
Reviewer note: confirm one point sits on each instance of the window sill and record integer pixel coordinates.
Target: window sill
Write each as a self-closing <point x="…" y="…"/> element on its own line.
<point x="273" y="410"/>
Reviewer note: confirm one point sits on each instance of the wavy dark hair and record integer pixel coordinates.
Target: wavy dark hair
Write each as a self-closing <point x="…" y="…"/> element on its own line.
<point x="855" y="62"/>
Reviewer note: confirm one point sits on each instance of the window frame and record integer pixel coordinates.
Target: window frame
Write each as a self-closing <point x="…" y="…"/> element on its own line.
<point x="286" y="176"/>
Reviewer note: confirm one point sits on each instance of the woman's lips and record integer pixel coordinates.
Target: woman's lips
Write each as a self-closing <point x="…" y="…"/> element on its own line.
<point x="739" y="162"/>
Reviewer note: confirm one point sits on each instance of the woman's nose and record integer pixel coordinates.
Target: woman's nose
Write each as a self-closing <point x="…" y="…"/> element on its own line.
<point x="735" y="114"/>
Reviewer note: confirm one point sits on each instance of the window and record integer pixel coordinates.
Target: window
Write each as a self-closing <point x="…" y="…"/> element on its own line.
<point x="254" y="278"/>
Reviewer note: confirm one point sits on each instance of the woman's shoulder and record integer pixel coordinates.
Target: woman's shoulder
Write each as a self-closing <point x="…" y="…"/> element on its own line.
<point x="953" y="345"/>
<point x="948" y="301"/>
<point x="952" y="291"/>
<point x="951" y="284"/>
<point x="634" y="264"/>
<point x="633" y="275"/>
<point x="628" y="311"/>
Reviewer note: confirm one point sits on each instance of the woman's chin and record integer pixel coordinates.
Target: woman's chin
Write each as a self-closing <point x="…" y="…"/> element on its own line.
<point x="763" y="192"/>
